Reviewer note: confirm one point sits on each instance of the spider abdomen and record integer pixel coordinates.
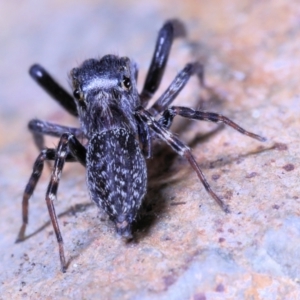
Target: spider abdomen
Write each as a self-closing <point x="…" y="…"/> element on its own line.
<point x="116" y="176"/>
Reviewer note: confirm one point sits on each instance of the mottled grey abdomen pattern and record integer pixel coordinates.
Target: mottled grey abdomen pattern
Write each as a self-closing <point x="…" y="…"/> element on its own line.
<point x="116" y="174"/>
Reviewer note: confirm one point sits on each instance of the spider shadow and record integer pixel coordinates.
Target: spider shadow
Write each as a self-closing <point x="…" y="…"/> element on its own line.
<point x="160" y="169"/>
<point x="73" y="210"/>
<point x="160" y="174"/>
<point x="164" y="160"/>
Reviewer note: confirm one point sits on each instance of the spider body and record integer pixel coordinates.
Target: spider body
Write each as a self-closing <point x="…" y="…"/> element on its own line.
<point x="106" y="96"/>
<point x="118" y="129"/>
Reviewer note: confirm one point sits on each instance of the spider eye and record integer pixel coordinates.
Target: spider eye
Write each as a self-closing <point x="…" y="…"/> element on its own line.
<point x="76" y="94"/>
<point x="126" y="83"/>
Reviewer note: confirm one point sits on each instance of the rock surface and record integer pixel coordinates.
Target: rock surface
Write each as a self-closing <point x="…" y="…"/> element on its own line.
<point x="185" y="247"/>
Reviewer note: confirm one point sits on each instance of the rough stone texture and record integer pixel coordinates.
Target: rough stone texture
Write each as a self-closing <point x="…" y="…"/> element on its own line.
<point x="185" y="246"/>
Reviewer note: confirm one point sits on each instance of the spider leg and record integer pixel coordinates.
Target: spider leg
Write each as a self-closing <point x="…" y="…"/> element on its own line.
<point x="45" y="155"/>
<point x="145" y="138"/>
<point x="69" y="149"/>
<point x="43" y="78"/>
<point x="170" y="30"/>
<point x="176" y="86"/>
<point x="180" y="148"/>
<point x="39" y="128"/>
<point x="189" y="113"/>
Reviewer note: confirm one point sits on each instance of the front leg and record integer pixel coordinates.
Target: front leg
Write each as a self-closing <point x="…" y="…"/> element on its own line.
<point x="43" y="78"/>
<point x="45" y="155"/>
<point x="40" y="128"/>
<point x="69" y="149"/>
<point x="170" y="30"/>
<point x="189" y="113"/>
<point x="180" y="148"/>
<point x="176" y="86"/>
<point x="145" y="138"/>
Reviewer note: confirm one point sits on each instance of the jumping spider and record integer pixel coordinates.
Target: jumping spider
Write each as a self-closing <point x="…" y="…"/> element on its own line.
<point x="118" y="129"/>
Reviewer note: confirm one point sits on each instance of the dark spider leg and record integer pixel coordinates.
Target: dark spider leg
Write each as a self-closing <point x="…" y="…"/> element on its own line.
<point x="176" y="86"/>
<point x="145" y="138"/>
<point x="46" y="154"/>
<point x="43" y="78"/>
<point x="180" y="148"/>
<point x="186" y="112"/>
<point x="78" y="153"/>
<point x="170" y="30"/>
<point x="67" y="140"/>
<point x="39" y="128"/>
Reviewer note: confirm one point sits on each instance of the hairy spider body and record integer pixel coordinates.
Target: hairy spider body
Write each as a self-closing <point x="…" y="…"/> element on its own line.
<point x="116" y="169"/>
<point x="106" y="94"/>
<point x="118" y="129"/>
<point x="117" y="176"/>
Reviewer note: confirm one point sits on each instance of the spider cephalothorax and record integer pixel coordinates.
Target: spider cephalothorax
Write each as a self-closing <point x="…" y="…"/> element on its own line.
<point x="106" y="94"/>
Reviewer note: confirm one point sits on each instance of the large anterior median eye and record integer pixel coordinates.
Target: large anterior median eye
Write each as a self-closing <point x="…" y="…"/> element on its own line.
<point x="126" y="83"/>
